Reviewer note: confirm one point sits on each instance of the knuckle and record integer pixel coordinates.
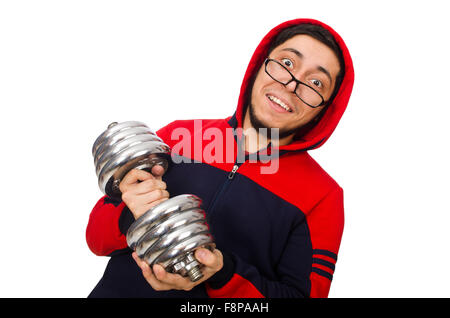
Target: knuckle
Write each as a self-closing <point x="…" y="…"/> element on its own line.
<point x="122" y="186"/>
<point x="131" y="174"/>
<point x="157" y="288"/>
<point x="143" y="188"/>
<point x="138" y="211"/>
<point x="150" y="183"/>
<point x="125" y="196"/>
<point x="146" y="186"/>
<point x="158" y="193"/>
<point x="131" y="206"/>
<point x="151" y="205"/>
<point x="188" y="288"/>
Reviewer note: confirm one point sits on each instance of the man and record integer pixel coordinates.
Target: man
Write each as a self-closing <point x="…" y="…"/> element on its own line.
<point x="277" y="234"/>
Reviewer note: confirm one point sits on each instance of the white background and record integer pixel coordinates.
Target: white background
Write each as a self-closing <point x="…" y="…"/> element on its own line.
<point x="68" y="68"/>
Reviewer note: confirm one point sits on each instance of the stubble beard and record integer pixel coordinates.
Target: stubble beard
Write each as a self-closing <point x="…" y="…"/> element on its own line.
<point x="257" y="123"/>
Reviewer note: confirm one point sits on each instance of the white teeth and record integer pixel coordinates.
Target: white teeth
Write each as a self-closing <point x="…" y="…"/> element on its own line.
<point x="279" y="102"/>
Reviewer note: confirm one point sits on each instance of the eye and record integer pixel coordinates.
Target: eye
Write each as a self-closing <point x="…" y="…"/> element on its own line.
<point x="287" y="62"/>
<point x="317" y="83"/>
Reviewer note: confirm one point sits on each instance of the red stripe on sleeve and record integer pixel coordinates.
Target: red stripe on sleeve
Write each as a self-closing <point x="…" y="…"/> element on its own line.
<point x="324" y="268"/>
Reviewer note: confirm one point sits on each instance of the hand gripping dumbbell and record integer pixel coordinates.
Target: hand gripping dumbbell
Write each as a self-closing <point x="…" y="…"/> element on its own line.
<point x="169" y="233"/>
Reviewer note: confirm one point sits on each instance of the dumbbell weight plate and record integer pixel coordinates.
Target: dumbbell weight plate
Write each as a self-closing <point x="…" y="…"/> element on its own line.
<point x="114" y="128"/>
<point x="147" y="241"/>
<point x="119" y="137"/>
<point x="163" y="210"/>
<point x="113" y="150"/>
<point x="142" y="156"/>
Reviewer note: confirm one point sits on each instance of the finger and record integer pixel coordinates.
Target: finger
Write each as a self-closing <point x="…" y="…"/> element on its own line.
<point x="149" y="185"/>
<point x="176" y="281"/>
<point x="138" y="211"/>
<point x="146" y="271"/>
<point x="134" y="176"/>
<point x="159" y="272"/>
<point x="210" y="259"/>
<point x="155" y="203"/>
<point x="158" y="171"/>
<point x="138" y="261"/>
<point x="153" y="196"/>
<point x="141" y="201"/>
<point x="149" y="275"/>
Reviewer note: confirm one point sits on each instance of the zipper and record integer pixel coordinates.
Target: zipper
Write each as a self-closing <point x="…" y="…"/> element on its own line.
<point x="225" y="185"/>
<point x="230" y="177"/>
<point x="233" y="172"/>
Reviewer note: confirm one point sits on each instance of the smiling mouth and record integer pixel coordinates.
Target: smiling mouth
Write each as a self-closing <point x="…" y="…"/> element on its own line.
<point x="279" y="103"/>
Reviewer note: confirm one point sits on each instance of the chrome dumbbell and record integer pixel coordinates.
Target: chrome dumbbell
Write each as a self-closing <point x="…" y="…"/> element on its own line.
<point x="123" y="147"/>
<point x="169" y="233"/>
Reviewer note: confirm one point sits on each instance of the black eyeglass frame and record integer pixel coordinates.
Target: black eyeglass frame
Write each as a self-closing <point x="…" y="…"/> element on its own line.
<point x="267" y="60"/>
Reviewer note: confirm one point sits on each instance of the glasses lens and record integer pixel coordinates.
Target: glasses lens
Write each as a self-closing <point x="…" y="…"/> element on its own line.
<point x="282" y="75"/>
<point x="278" y="72"/>
<point x="308" y="95"/>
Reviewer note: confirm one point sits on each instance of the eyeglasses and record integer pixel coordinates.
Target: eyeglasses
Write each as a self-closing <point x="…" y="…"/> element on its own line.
<point x="304" y="92"/>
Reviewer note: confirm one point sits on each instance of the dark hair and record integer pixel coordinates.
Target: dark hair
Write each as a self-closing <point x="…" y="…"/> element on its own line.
<point x="319" y="33"/>
<point x="323" y="35"/>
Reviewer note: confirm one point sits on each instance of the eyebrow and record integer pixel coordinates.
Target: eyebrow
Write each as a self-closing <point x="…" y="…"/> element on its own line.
<point x="296" y="52"/>
<point x="319" y="68"/>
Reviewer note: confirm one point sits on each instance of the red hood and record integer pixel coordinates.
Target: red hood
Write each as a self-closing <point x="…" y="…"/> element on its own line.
<point x="323" y="130"/>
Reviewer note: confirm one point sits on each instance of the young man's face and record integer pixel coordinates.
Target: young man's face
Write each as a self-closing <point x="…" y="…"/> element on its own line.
<point x="311" y="62"/>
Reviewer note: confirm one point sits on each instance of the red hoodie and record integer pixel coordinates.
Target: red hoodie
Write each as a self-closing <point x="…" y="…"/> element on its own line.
<point x="279" y="233"/>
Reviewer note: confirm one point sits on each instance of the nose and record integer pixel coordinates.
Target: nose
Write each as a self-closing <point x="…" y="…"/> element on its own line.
<point x="291" y="86"/>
